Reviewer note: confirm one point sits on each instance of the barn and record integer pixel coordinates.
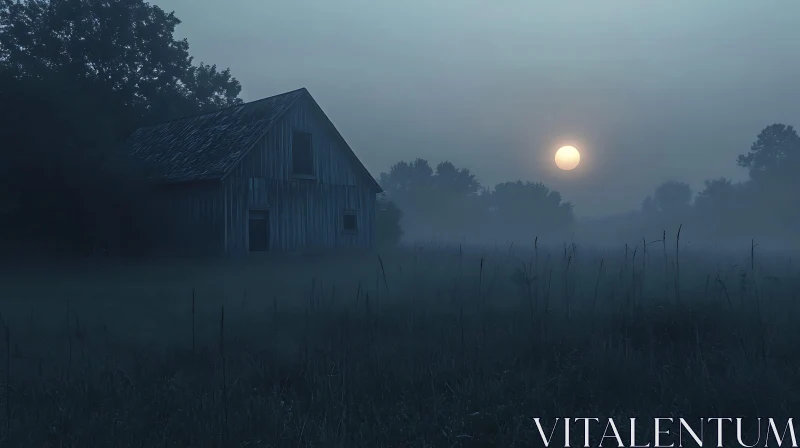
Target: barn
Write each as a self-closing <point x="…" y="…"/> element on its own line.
<point x="269" y="175"/>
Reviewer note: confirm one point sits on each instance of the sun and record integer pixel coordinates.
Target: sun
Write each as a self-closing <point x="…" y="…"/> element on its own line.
<point x="567" y="158"/>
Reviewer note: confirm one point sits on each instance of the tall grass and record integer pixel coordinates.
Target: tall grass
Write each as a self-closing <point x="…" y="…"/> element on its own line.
<point x="423" y="346"/>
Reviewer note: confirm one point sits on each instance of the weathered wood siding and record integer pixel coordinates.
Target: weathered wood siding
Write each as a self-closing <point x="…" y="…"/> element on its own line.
<point x="303" y="213"/>
<point x="194" y="217"/>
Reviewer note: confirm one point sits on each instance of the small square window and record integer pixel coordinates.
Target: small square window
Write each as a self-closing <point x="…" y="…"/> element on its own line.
<point x="349" y="222"/>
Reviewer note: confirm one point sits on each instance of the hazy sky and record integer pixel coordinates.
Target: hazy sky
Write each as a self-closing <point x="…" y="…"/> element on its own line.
<point x="649" y="91"/>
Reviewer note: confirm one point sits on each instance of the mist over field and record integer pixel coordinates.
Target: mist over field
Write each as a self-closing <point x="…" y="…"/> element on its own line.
<point x="344" y="223"/>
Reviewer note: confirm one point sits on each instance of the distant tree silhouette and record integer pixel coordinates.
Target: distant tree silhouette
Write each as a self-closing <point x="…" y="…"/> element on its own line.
<point x="668" y="207"/>
<point x="719" y="196"/>
<point x="411" y="180"/>
<point x="433" y="202"/>
<point x="773" y="164"/>
<point x="406" y="178"/>
<point x="763" y="207"/>
<point x="528" y="209"/>
<point x="774" y="156"/>
<point x="453" y="182"/>
<point x="450" y="202"/>
<point x="672" y="197"/>
<point x="649" y="207"/>
<point x="409" y="186"/>
<point x="387" y="223"/>
<point x="719" y="209"/>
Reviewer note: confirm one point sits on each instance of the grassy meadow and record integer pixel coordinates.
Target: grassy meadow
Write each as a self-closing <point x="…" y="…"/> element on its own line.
<point x="420" y="346"/>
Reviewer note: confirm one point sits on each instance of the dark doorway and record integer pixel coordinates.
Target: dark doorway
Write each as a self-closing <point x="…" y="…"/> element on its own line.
<point x="258" y="230"/>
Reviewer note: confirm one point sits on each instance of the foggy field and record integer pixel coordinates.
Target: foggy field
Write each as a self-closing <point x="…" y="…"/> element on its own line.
<point x="449" y="348"/>
<point x="138" y="128"/>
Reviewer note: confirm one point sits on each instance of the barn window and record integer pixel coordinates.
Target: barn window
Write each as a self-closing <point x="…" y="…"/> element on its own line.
<point x="349" y="222"/>
<point x="258" y="230"/>
<point x="302" y="154"/>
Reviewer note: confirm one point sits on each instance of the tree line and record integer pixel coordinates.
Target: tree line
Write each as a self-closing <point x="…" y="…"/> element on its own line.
<point x="765" y="206"/>
<point x="448" y="203"/>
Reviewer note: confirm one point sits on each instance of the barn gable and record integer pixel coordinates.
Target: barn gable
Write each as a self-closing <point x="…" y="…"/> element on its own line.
<point x="334" y="163"/>
<point x="231" y="181"/>
<point x="305" y="210"/>
<point x="211" y="145"/>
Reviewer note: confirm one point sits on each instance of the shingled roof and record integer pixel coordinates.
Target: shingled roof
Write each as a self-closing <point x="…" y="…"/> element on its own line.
<point x="208" y="146"/>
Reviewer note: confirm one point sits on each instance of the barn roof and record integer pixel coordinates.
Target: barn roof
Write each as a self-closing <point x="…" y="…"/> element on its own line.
<point x="208" y="146"/>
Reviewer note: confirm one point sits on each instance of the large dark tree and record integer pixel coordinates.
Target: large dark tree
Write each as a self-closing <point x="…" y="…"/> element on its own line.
<point x="76" y="77"/>
<point x="63" y="181"/>
<point x="122" y="52"/>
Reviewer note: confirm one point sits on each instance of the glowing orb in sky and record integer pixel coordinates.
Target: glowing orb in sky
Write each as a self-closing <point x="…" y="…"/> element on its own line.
<point x="567" y="158"/>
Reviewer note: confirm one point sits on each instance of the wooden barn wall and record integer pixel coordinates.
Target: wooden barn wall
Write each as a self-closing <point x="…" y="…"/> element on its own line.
<point x="304" y="213"/>
<point x="193" y="218"/>
<point x="272" y="157"/>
